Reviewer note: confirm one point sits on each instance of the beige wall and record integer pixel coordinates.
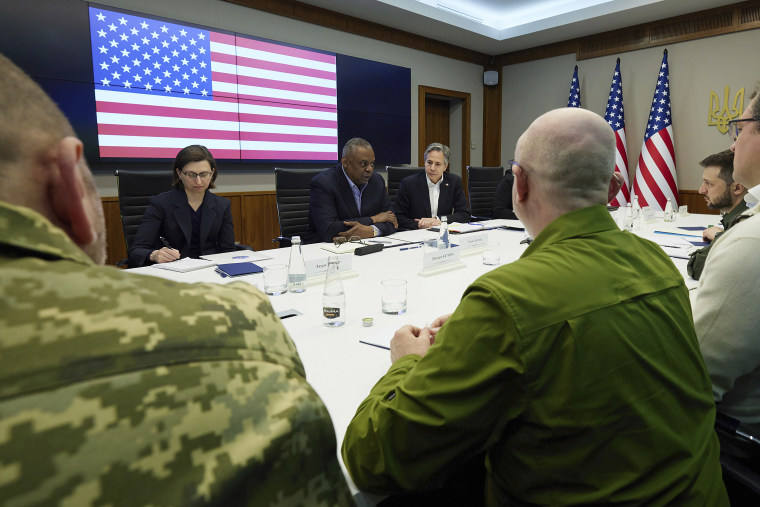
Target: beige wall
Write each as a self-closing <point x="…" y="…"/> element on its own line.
<point x="696" y="68"/>
<point x="426" y="69"/>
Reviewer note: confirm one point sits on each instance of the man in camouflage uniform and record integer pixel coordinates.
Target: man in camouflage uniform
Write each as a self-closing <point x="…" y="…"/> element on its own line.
<point x="125" y="390"/>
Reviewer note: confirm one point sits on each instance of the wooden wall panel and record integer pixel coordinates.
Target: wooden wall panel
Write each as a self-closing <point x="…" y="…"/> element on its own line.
<point x="695" y="202"/>
<point x="116" y="248"/>
<point x="260" y="221"/>
<point x="492" y="123"/>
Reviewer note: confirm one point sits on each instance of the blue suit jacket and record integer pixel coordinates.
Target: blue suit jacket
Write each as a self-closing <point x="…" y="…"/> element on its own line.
<point x="413" y="200"/>
<point x="168" y="215"/>
<point x="331" y="202"/>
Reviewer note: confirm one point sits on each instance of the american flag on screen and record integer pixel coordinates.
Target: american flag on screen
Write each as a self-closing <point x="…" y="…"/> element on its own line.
<point x="161" y="86"/>
<point x="574" y="100"/>
<point x="655" y="180"/>
<point x="615" y="117"/>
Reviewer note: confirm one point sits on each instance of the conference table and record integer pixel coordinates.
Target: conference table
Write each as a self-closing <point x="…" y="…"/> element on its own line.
<point x="339" y="364"/>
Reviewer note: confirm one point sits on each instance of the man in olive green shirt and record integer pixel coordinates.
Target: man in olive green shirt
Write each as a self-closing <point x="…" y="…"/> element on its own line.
<point x="576" y="368"/>
<point x="120" y="389"/>
<point x="722" y="193"/>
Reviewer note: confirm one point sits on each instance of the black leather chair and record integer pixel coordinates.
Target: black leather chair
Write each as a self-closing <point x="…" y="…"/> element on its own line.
<point x="741" y="475"/>
<point x="481" y="188"/>
<point x="292" y="195"/>
<point x="395" y="175"/>
<point x="135" y="188"/>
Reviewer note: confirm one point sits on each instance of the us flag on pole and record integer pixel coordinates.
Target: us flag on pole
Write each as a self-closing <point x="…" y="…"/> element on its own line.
<point x="655" y="180"/>
<point x="615" y="117"/>
<point x="574" y="100"/>
<point x="161" y="86"/>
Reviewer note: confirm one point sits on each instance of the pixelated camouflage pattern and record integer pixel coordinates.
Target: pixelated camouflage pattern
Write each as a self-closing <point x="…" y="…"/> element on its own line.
<point x="120" y="389"/>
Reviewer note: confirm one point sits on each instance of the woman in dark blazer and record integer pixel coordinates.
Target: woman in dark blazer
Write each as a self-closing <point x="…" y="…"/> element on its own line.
<point x="188" y="221"/>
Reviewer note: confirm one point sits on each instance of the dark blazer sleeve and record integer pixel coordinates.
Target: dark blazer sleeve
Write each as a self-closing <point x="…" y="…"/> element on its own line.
<point x="323" y="209"/>
<point x="146" y="239"/>
<point x="377" y="201"/>
<point x="403" y="205"/>
<point x="502" y="201"/>
<point x="457" y="206"/>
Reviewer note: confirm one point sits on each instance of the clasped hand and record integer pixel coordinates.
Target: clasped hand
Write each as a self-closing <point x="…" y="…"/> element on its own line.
<point x="426" y="223"/>
<point x="411" y="339"/>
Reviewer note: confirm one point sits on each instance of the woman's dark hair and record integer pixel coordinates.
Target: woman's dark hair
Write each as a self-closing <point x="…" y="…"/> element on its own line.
<point x="193" y="153"/>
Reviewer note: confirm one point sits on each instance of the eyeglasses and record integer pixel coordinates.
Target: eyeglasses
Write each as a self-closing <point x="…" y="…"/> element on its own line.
<point x="733" y="127"/>
<point x="515" y="163"/>
<point x="204" y="175"/>
<point x="342" y="240"/>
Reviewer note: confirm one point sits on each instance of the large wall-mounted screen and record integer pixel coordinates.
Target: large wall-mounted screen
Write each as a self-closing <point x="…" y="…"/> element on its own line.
<point x="137" y="88"/>
<point x="160" y="86"/>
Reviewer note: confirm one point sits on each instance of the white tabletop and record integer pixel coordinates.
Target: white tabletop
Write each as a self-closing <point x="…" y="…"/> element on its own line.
<point x="340" y="368"/>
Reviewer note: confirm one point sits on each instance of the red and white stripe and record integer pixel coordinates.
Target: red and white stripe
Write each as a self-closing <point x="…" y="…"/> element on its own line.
<point x="623" y="197"/>
<point x="655" y="180"/>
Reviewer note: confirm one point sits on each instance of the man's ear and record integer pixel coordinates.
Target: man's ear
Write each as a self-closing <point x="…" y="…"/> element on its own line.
<point x="520" y="185"/>
<point x="616" y="183"/>
<point x="67" y="192"/>
<point x="737" y="188"/>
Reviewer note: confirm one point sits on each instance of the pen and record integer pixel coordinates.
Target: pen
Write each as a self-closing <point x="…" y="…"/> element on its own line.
<point x="678" y="234"/>
<point x="166" y="243"/>
<point x="411" y="247"/>
<point x="383" y="241"/>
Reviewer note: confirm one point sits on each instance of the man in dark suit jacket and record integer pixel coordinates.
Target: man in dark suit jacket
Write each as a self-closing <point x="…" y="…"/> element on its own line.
<point x="168" y="215"/>
<point x="502" y="201"/>
<point x="417" y="193"/>
<point x="350" y="199"/>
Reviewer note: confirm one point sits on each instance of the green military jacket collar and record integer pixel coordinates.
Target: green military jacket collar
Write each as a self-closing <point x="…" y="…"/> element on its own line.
<point x="24" y="230"/>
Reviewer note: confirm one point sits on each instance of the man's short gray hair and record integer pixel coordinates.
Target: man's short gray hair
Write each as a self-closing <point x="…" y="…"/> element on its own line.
<point x="439" y="147"/>
<point x="354" y="144"/>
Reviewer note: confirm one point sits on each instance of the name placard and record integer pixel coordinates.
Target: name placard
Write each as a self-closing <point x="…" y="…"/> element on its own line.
<point x="317" y="267"/>
<point x="435" y="258"/>
<point x="647" y="215"/>
<point x="474" y="240"/>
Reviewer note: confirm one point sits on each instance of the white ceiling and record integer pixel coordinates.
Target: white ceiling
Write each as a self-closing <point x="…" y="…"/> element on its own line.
<point x="500" y="26"/>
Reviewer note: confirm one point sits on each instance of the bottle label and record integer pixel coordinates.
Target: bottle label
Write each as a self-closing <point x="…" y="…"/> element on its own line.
<point x="330" y="313"/>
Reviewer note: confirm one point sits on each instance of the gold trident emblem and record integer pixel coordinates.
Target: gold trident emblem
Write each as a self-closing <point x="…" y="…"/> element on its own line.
<point x="721" y="117"/>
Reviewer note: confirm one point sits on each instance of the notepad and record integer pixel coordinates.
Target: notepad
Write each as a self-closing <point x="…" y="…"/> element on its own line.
<point x="185" y="264"/>
<point x="239" y="268"/>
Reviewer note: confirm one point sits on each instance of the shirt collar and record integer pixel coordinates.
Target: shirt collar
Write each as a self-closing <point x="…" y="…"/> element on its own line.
<point x="430" y="184"/>
<point x="351" y="184"/>
<point x="753" y="196"/>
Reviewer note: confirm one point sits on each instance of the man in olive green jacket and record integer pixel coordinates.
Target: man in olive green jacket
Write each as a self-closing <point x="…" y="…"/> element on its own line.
<point x="722" y="193"/>
<point x="120" y="389"/>
<point x="576" y="368"/>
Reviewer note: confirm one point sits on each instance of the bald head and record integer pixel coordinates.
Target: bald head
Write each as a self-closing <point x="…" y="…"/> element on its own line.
<point x="571" y="153"/>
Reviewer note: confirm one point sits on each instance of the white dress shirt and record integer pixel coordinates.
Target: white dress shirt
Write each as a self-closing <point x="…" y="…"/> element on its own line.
<point x="434" y="191"/>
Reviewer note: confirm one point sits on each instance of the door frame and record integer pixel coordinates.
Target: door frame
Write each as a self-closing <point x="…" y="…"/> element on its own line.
<point x="423" y="93"/>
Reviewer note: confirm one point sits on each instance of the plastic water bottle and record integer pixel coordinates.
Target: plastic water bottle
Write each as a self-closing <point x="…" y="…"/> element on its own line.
<point x="628" y="218"/>
<point x="443" y="234"/>
<point x="296" y="267"/>
<point x="668" y="214"/>
<point x="636" y="207"/>
<point x="333" y="298"/>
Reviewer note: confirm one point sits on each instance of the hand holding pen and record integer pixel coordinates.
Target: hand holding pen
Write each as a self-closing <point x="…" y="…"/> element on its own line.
<point x="166" y="254"/>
